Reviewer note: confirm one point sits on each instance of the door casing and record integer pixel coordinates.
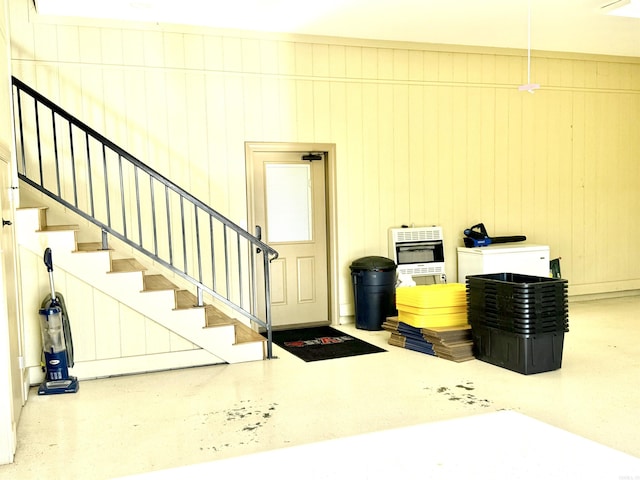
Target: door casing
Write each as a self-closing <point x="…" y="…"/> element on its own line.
<point x="330" y="198"/>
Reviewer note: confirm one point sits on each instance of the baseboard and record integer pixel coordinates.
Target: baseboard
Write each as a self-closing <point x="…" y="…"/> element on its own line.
<point x="89" y="370"/>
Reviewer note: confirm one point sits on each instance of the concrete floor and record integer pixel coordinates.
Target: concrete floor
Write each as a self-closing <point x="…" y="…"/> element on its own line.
<point x="128" y="425"/>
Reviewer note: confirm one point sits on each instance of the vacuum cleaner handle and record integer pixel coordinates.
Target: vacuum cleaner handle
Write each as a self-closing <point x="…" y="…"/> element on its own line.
<point x="48" y="261"/>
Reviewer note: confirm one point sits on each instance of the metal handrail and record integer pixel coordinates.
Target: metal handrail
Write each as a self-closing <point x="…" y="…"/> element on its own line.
<point x="201" y="245"/>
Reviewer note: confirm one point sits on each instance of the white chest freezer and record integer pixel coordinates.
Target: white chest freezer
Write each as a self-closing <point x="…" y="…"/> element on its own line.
<point x="523" y="258"/>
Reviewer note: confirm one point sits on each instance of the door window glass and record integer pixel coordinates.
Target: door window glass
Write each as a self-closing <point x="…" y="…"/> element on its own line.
<point x="288" y="192"/>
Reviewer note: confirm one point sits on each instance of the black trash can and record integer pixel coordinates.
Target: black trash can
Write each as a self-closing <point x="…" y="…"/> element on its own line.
<point x="374" y="293"/>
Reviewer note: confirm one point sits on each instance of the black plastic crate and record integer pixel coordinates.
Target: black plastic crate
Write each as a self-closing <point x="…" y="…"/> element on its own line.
<point x="517" y="308"/>
<point x="526" y="354"/>
<point x="516" y="284"/>
<point x="520" y="316"/>
<point x="559" y="325"/>
<point x="557" y="322"/>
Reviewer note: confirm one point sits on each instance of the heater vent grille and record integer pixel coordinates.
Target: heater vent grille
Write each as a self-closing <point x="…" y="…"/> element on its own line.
<point x="419" y="234"/>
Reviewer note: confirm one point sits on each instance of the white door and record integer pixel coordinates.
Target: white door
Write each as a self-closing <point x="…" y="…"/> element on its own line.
<point x="289" y="205"/>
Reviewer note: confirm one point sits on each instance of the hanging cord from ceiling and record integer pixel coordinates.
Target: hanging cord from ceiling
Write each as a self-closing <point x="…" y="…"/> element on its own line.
<point x="529" y="87"/>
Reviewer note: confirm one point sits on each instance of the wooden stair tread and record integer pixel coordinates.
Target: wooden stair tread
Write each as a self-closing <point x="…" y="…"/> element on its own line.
<point x="59" y="228"/>
<point x="123" y="265"/>
<point x="28" y="207"/>
<point x="185" y="299"/>
<point x="153" y="283"/>
<point x="245" y="334"/>
<point x="89" y="247"/>
<point x="215" y="318"/>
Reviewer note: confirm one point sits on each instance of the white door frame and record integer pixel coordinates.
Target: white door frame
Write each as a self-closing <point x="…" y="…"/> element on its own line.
<point x="330" y="207"/>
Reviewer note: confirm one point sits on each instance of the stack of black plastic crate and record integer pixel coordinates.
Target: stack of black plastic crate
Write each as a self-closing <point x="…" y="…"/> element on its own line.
<point x="518" y="321"/>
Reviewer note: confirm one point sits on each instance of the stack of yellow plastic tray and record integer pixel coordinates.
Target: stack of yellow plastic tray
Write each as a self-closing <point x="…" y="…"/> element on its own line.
<point x="437" y="305"/>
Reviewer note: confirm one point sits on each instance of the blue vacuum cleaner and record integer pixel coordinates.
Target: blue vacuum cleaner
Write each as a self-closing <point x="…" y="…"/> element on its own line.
<point x="57" y="344"/>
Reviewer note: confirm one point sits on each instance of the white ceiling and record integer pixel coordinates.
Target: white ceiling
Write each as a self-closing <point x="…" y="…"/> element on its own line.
<point x="556" y="25"/>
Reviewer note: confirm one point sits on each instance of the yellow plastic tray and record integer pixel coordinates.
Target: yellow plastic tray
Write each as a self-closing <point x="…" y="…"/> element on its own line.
<point x="429" y="296"/>
<point x="429" y="321"/>
<point x="433" y="310"/>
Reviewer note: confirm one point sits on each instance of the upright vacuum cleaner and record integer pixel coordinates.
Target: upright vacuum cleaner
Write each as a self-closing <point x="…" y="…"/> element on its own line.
<point x="57" y="344"/>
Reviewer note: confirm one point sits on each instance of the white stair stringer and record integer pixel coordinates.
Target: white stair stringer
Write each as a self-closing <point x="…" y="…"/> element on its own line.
<point x="93" y="267"/>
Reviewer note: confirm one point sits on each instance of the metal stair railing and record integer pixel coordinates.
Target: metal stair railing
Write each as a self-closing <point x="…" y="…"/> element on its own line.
<point x="78" y="167"/>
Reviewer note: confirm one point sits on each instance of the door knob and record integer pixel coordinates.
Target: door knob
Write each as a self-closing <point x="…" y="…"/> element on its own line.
<point x="6" y="222"/>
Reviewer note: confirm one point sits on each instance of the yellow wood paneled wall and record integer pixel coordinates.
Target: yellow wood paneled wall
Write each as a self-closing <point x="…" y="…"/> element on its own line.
<point x="424" y="134"/>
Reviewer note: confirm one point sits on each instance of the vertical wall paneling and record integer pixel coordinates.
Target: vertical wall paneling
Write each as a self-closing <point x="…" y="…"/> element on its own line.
<point x="158" y="339"/>
<point x="216" y="141"/>
<point x="575" y="262"/>
<point x="457" y="189"/>
<point x="268" y="56"/>
<point x="431" y="159"/>
<point x="112" y="50"/>
<point x="253" y="115"/>
<point x="385" y="200"/>
<point x="356" y="164"/>
<point x="305" y="112"/>
<point x="107" y="326"/>
<point x="79" y="301"/>
<point x="178" y="124"/>
<point x="422" y="136"/>
<point x="193" y="52"/>
<point x="133" y="329"/>
<point x="372" y="158"/>
<point x="321" y="111"/>
<point x="417" y="188"/>
<point x="320" y="60"/>
<point x="153" y="49"/>
<point x="402" y="166"/>
<point x="288" y="109"/>
<point x="269" y="108"/>
<point x="196" y="141"/>
<point x="540" y="204"/>
<point x="303" y="59"/>
<point x="445" y="132"/>
<point x="502" y="160"/>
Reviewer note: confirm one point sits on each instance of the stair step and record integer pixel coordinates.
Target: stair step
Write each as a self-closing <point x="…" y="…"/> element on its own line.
<point x="185" y="299"/>
<point x="154" y="283"/>
<point x="89" y="247"/>
<point x="59" y="228"/>
<point x="215" y="318"/>
<point x="245" y="334"/>
<point x="122" y="265"/>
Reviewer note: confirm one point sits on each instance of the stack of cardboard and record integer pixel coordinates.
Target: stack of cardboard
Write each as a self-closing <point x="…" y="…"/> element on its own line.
<point x="432" y="319"/>
<point x="453" y="343"/>
<point x="406" y="336"/>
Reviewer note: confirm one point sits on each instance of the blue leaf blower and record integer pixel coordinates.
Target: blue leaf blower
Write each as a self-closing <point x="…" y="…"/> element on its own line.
<point x="477" y="236"/>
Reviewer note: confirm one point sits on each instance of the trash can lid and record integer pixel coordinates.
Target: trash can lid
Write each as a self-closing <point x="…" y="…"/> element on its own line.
<point x="374" y="264"/>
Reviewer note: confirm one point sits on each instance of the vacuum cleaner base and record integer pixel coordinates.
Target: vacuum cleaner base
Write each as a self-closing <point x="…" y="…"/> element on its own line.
<point x="52" y="387"/>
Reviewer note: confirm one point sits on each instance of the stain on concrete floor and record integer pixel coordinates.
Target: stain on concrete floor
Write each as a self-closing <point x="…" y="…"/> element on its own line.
<point x="460" y="393"/>
<point x="239" y="424"/>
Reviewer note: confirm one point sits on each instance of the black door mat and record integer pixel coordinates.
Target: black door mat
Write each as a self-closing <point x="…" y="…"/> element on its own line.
<point x="321" y="343"/>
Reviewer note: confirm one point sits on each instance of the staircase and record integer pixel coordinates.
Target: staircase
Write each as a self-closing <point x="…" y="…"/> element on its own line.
<point x="217" y="293"/>
<point x="128" y="281"/>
